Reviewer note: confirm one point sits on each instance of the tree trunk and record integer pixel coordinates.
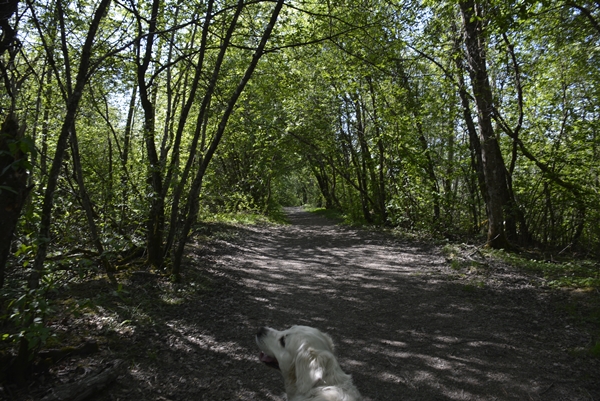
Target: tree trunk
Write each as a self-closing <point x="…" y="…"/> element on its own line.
<point x="192" y="204"/>
<point x="125" y="156"/>
<point x="87" y="206"/>
<point x="13" y="185"/>
<point x="381" y="184"/>
<point x="474" y="143"/>
<point x="320" y="173"/>
<point x="43" y="238"/>
<point x="365" y="170"/>
<point x="155" y="219"/>
<point x="429" y="167"/>
<point x="493" y="165"/>
<point x="61" y="145"/>
<point x="178" y="192"/>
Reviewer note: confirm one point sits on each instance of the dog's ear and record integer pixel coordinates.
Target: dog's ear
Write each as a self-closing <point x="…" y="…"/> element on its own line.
<point x="311" y="366"/>
<point x="329" y="342"/>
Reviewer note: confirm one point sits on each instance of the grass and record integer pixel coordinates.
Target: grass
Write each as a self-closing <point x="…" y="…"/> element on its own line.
<point x="328" y="213"/>
<point x="574" y="273"/>
<point x="595" y="350"/>
<point x="244" y="218"/>
<point x="581" y="277"/>
<point x="581" y="274"/>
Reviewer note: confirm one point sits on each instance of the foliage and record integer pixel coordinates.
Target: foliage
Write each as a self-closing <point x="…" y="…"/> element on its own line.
<point x="582" y="274"/>
<point x="26" y="312"/>
<point x="243" y="218"/>
<point x="149" y="118"/>
<point x="331" y="214"/>
<point x="564" y="272"/>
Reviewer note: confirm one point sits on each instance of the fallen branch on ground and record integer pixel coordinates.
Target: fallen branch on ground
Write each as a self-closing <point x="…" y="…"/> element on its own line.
<point x="87" y="386"/>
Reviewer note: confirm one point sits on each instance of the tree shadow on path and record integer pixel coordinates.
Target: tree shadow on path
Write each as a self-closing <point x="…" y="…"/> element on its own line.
<point x="406" y="325"/>
<point x="405" y="329"/>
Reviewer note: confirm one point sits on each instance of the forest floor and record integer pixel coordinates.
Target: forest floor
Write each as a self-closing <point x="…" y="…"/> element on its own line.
<point x="407" y="326"/>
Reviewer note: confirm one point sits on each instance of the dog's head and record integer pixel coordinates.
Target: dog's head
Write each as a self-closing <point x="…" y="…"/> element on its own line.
<point x="305" y="357"/>
<point x="303" y="354"/>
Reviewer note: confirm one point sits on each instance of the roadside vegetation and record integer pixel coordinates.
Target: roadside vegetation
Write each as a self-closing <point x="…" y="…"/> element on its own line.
<point x="131" y="129"/>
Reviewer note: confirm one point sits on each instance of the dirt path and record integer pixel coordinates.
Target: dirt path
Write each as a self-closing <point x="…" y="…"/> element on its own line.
<point x="407" y="326"/>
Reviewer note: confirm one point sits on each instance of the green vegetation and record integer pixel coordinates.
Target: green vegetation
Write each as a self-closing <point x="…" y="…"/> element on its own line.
<point x="128" y="127"/>
<point x="332" y="214"/>
<point x="571" y="273"/>
<point x="583" y="274"/>
<point x="245" y="218"/>
<point x="580" y="278"/>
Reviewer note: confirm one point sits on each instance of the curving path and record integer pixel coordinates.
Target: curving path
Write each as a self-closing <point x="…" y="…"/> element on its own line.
<point x="407" y="326"/>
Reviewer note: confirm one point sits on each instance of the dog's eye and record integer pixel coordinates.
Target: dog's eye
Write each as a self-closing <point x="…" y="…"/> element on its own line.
<point x="282" y="341"/>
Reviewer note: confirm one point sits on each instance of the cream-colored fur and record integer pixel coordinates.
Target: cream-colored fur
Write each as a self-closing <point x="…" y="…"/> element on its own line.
<point x="306" y="360"/>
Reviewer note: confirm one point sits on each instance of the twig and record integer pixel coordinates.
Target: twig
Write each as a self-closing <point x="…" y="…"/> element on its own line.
<point x="88" y="386"/>
<point x="547" y="389"/>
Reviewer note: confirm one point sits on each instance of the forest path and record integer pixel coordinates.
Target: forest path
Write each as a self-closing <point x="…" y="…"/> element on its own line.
<point x="406" y="325"/>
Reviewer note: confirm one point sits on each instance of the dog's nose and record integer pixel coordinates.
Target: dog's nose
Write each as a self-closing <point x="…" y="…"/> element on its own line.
<point x="262" y="332"/>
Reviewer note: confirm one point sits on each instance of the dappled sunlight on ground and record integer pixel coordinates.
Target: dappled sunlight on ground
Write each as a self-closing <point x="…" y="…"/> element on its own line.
<point x="403" y="329"/>
<point x="406" y="327"/>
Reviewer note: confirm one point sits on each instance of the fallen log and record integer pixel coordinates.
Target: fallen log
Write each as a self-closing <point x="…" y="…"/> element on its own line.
<point x="55" y="355"/>
<point x="87" y="386"/>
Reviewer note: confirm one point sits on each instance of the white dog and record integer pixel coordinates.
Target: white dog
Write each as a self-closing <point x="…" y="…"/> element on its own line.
<point x="304" y="356"/>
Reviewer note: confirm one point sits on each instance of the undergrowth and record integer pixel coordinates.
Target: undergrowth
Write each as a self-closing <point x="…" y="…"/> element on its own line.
<point x="572" y="273"/>
<point x="581" y="274"/>
<point x="579" y="277"/>
<point x="332" y="214"/>
<point x="247" y="217"/>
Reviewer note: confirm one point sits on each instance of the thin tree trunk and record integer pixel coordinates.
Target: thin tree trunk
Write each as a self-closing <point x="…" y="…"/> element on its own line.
<point x="125" y="154"/>
<point x="43" y="238"/>
<point x="365" y="170"/>
<point x="354" y="161"/>
<point x="474" y="143"/>
<point x="429" y="167"/>
<point x="87" y="206"/>
<point x="14" y="188"/>
<point x="493" y="164"/>
<point x="74" y="98"/>
<point x="155" y="219"/>
<point x="381" y="184"/>
<point x="177" y="193"/>
<point x="320" y="173"/>
<point x="193" y="201"/>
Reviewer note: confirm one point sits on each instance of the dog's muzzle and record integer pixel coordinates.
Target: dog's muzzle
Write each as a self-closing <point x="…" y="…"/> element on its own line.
<point x="264" y="358"/>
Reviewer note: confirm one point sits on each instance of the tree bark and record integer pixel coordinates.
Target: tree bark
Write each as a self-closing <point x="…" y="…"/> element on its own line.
<point x="155" y="219"/>
<point x="429" y="167"/>
<point x="364" y="169"/>
<point x="193" y="201"/>
<point x="493" y="164"/>
<point x="89" y="385"/>
<point x="87" y="206"/>
<point x="43" y="238"/>
<point x="13" y="185"/>
<point x="323" y="181"/>
<point x="474" y="143"/>
<point x="381" y="184"/>
<point x="74" y="98"/>
<point x="199" y="68"/>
